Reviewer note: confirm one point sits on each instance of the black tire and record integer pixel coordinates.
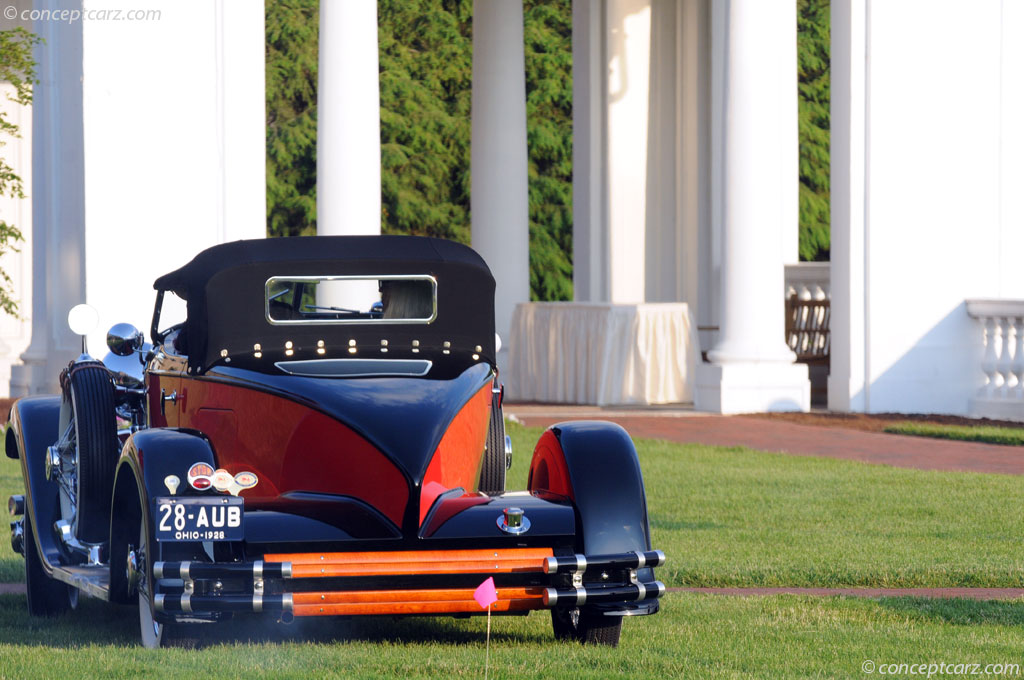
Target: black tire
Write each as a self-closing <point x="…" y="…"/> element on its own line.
<point x="492" y="472"/>
<point x="46" y="596"/>
<point x="91" y="394"/>
<point x="589" y="628"/>
<point x="124" y="537"/>
<point x="153" y="632"/>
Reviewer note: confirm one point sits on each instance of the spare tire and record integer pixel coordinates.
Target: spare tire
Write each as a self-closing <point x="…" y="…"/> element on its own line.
<point x="89" y="403"/>
<point x="492" y="472"/>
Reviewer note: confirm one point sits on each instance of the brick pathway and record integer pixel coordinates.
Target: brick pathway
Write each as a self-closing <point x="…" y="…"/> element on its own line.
<point x="682" y="425"/>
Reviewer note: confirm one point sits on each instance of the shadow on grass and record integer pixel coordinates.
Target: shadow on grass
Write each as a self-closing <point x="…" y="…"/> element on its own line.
<point x="101" y="623"/>
<point x="958" y="611"/>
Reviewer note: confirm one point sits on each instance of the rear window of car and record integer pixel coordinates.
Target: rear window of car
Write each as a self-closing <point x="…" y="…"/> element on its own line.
<point x="351" y="299"/>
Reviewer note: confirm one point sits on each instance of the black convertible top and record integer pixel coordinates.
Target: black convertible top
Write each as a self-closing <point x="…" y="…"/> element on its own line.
<point x="224" y="287"/>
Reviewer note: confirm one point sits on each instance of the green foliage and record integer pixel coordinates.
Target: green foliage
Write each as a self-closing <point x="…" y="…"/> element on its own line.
<point x="813" y="26"/>
<point x="291" y="68"/>
<point x="426" y="71"/>
<point x="17" y="68"/>
<point x="548" y="51"/>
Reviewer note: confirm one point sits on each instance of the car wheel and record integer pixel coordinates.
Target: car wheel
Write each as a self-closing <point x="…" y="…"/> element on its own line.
<point x="587" y="627"/>
<point x="492" y="472"/>
<point x="46" y="596"/>
<point x="85" y="496"/>
<point x="152" y="631"/>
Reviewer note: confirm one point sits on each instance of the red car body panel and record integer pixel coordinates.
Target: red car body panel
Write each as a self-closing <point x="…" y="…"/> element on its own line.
<point x="289" y="446"/>
<point x="456" y="462"/>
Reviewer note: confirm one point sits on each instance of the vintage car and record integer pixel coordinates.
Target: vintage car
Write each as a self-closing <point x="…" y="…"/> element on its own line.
<point x="322" y="435"/>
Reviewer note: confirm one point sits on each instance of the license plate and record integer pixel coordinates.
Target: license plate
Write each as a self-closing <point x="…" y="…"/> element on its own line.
<point x="199" y="519"/>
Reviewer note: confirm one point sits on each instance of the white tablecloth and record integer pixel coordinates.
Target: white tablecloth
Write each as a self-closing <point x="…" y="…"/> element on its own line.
<point x="601" y="353"/>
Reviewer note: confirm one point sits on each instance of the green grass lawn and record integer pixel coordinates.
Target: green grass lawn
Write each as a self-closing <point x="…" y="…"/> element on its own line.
<point x="735" y="517"/>
<point x="988" y="434"/>
<point x="695" y="636"/>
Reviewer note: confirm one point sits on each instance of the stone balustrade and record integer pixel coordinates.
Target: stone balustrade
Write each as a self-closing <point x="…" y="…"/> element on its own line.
<point x="809" y="281"/>
<point x="1002" y="328"/>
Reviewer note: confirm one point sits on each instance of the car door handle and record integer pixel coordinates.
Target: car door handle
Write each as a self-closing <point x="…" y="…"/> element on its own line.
<point x="164" y="398"/>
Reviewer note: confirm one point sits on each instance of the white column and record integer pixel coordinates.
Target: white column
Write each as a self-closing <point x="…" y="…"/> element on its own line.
<point x="499" y="200"/>
<point x="348" y="130"/>
<point x="751" y="368"/>
<point x="848" y="389"/>
<point x="58" y="214"/>
<point x="589" y="170"/>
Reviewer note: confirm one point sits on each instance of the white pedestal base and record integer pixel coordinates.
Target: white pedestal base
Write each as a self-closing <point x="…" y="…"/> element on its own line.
<point x="996" y="408"/>
<point x="33" y="377"/>
<point x="752" y="387"/>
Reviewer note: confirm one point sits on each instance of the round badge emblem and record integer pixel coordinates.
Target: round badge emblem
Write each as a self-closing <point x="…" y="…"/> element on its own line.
<point x="246" y="480"/>
<point x="222" y="479"/>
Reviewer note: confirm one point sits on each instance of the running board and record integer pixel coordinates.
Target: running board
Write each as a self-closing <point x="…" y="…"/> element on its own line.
<point x="93" y="581"/>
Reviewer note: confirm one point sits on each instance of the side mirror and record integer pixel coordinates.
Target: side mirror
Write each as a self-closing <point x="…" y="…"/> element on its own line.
<point x="124" y="339"/>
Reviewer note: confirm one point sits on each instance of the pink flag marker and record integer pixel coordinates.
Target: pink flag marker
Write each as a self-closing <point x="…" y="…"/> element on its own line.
<point x="485" y="593"/>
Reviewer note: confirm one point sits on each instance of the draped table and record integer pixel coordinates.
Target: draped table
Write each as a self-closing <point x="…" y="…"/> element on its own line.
<point x="602" y="353"/>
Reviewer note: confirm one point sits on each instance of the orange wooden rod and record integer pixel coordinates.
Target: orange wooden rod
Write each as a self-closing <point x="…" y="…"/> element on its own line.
<point x="419" y="556"/>
<point x="417" y="595"/>
<point x="412" y="608"/>
<point x="327" y="570"/>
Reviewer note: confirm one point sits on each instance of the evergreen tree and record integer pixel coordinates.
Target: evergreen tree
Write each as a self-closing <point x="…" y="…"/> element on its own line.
<point x="426" y="78"/>
<point x="813" y="26"/>
<point x="548" y="50"/>
<point x="291" y="71"/>
<point x="17" y="68"/>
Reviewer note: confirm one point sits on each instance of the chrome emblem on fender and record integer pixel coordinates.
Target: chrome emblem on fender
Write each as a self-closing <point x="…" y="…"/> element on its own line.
<point x="172" y="482"/>
<point x="222" y="480"/>
<point x="246" y="480"/>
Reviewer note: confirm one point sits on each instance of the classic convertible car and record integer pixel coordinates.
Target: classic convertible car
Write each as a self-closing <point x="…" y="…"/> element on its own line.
<point x="322" y="435"/>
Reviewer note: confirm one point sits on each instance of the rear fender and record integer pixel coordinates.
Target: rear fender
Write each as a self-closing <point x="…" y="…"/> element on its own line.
<point x="33" y="427"/>
<point x="150" y="456"/>
<point x="594" y="464"/>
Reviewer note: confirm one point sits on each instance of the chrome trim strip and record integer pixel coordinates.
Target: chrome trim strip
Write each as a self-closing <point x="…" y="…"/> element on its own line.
<point x="581" y="563"/>
<point x="183" y="571"/>
<point x="661" y="558"/>
<point x="296" y="366"/>
<point x="158" y="570"/>
<point x="641" y="560"/>
<point x="550" y="597"/>
<point x="581" y="597"/>
<point x="257" y="603"/>
<point x="641" y="591"/>
<point x="286" y="571"/>
<point x="257" y="569"/>
<point x="158" y="602"/>
<point x="550" y="565"/>
<point x="661" y="588"/>
<point x="186" y="603"/>
<point x="287" y="603"/>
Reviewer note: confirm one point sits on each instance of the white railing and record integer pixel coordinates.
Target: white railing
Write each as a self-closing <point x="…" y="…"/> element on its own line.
<point x="809" y="281"/>
<point x="1002" y="395"/>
